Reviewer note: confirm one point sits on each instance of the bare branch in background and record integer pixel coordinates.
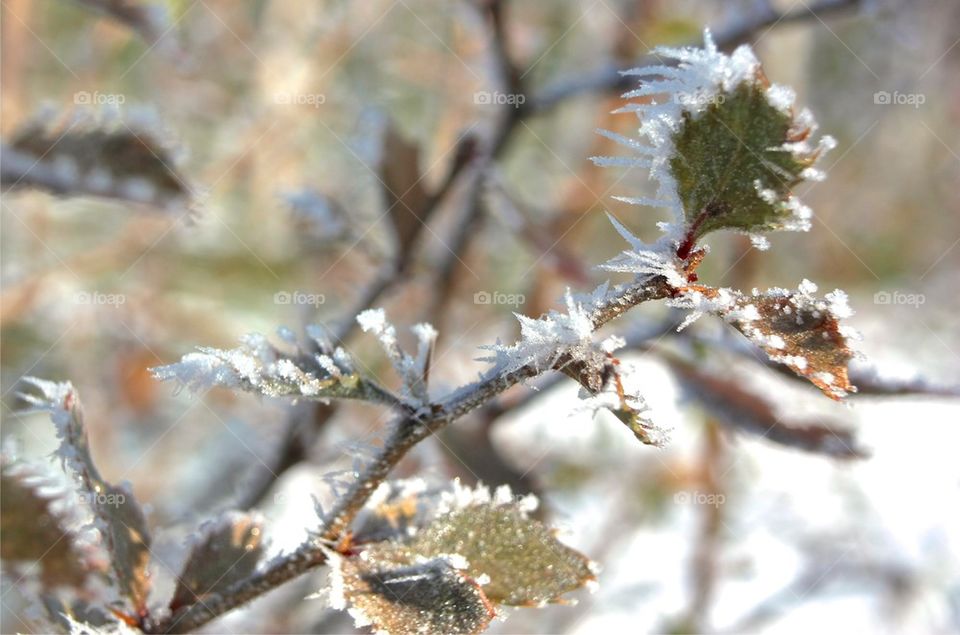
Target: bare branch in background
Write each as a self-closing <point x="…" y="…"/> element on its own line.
<point x="611" y="79"/>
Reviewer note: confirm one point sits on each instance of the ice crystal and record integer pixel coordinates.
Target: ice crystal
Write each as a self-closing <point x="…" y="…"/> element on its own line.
<point x="545" y="340"/>
<point x="412" y="369"/>
<point x="259" y="367"/>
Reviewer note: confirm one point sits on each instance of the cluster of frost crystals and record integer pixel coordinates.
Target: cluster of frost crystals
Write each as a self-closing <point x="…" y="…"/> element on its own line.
<point x="460" y="496"/>
<point x="79" y="627"/>
<point x="721" y="301"/>
<point x="259" y="367"/>
<point x="645" y="260"/>
<point x="544" y="340"/>
<point x="413" y="369"/>
<point x="59" y="399"/>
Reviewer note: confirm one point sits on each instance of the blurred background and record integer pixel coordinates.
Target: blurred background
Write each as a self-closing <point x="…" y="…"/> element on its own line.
<point x="282" y="135"/>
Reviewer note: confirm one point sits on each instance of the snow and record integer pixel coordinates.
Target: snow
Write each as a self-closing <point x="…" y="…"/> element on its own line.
<point x="412" y="370"/>
<point x="645" y="260"/>
<point x="255" y="366"/>
<point x="782" y="98"/>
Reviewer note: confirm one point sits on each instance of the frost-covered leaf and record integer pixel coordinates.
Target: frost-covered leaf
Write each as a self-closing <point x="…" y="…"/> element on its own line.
<point x="517" y="558"/>
<point x="521" y="559"/>
<point x="96" y="155"/>
<point x="738" y="407"/>
<point x="226" y="551"/>
<point x="119" y="516"/>
<point x="733" y="167"/>
<point x="382" y="590"/>
<point x="564" y="342"/>
<point x="724" y="145"/>
<point x="259" y="367"/>
<point x="39" y="524"/>
<point x="795" y="328"/>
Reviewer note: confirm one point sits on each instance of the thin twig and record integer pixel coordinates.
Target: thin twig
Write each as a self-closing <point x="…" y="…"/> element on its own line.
<point x="611" y="78"/>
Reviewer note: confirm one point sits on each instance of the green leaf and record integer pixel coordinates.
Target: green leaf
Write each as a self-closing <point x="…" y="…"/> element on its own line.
<point x="525" y="564"/>
<point x="729" y="153"/>
<point x="478" y="548"/>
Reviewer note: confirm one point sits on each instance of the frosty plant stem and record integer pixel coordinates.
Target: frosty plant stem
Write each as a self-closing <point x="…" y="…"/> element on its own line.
<point x="411" y="427"/>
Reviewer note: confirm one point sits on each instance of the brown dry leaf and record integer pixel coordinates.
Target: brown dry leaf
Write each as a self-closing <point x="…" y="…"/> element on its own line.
<point x="805" y="334"/>
<point x="794" y="328"/>
<point x="405" y="193"/>
<point x="95" y="154"/>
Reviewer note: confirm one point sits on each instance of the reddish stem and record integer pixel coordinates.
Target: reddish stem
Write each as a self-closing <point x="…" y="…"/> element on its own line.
<point x="690" y="238"/>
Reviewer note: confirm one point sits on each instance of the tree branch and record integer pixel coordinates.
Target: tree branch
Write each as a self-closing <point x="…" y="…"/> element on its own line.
<point x="411" y="428"/>
<point x="611" y="79"/>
